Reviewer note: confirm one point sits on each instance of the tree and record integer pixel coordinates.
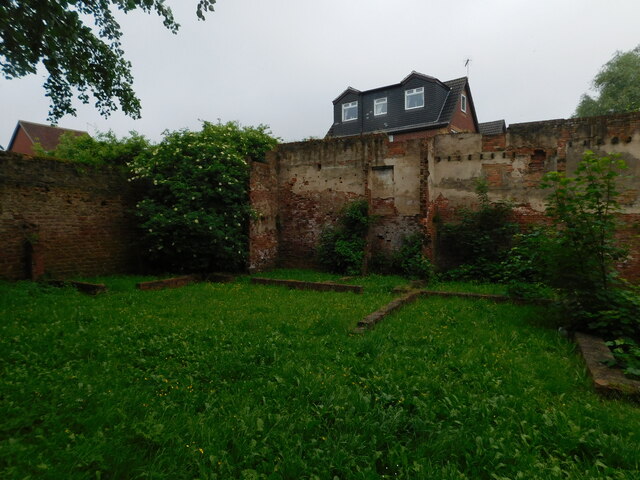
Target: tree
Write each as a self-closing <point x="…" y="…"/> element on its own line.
<point x="618" y="87"/>
<point x="87" y="59"/>
<point x="195" y="215"/>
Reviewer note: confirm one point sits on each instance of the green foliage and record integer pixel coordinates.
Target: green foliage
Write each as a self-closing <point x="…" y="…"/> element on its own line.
<point x="627" y="354"/>
<point x="236" y="380"/>
<point x="195" y="215"/>
<point x="617" y="86"/>
<point x="103" y="149"/>
<point x="583" y="208"/>
<point x="341" y="248"/>
<point x="410" y="260"/>
<point x="474" y="247"/>
<point x="582" y="259"/>
<point x="61" y="35"/>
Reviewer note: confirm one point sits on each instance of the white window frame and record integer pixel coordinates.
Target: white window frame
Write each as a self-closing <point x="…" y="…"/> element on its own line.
<point x="349" y="106"/>
<point x="379" y="101"/>
<point x="413" y="92"/>
<point x="463" y="102"/>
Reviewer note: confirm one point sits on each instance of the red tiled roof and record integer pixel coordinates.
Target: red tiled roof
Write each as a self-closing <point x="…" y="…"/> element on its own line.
<point x="47" y="136"/>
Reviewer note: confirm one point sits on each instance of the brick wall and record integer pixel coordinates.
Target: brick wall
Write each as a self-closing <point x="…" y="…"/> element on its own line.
<point x="315" y="179"/>
<point x="76" y="217"/>
<point x="416" y="178"/>
<point x="263" y="194"/>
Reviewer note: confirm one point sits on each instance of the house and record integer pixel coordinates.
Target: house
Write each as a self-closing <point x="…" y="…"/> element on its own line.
<point x="27" y="134"/>
<point x="418" y="106"/>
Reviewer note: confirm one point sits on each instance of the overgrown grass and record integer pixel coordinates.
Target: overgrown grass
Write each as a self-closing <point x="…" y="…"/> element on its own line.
<point x="245" y="381"/>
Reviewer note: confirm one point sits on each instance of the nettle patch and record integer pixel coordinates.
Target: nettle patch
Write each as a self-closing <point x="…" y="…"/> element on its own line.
<point x="195" y="215"/>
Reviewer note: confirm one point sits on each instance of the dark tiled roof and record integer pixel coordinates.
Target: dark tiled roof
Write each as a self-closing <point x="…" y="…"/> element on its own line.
<point x="457" y="87"/>
<point x="47" y="136"/>
<point x="492" y="128"/>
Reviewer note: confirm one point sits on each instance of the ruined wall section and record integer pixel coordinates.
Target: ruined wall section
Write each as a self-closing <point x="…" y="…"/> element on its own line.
<point x="513" y="164"/>
<point x="76" y="219"/>
<point x="317" y="178"/>
<point x="263" y="232"/>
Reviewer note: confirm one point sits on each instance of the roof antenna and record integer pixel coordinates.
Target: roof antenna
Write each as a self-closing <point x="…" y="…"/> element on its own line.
<point x="467" y="63"/>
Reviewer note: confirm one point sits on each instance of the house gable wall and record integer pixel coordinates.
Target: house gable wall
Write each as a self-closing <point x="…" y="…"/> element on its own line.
<point x="22" y="143"/>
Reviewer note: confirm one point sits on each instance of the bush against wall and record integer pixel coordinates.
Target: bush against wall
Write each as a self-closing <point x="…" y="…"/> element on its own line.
<point x="195" y="216"/>
<point x="341" y="248"/>
<point x="473" y="247"/>
<point x="584" y="208"/>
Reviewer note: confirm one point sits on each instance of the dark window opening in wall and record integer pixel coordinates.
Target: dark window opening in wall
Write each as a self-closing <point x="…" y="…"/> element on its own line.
<point x="538" y="160"/>
<point x="382" y="181"/>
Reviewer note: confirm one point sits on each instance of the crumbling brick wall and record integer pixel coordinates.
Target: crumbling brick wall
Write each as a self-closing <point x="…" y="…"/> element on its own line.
<point x="316" y="179"/>
<point x="77" y="218"/>
<point x="513" y="163"/>
<point x="412" y="180"/>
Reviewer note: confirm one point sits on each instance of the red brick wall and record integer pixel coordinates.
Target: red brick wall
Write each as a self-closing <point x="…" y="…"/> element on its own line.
<point x="263" y="194"/>
<point x="22" y="143"/>
<point x="78" y="218"/>
<point x="463" y="121"/>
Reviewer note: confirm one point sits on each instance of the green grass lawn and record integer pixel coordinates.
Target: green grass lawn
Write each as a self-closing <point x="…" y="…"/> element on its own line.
<point x="247" y="381"/>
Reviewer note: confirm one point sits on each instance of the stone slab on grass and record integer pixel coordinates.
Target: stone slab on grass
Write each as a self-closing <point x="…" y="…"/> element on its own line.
<point x="371" y="320"/>
<point x="175" y="282"/>
<point x="84" y="287"/>
<point x="300" y="285"/>
<point x="606" y="380"/>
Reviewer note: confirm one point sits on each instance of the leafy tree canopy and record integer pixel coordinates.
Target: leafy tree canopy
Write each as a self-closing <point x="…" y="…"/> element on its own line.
<point x="618" y="87"/>
<point x="79" y="57"/>
<point x="105" y="148"/>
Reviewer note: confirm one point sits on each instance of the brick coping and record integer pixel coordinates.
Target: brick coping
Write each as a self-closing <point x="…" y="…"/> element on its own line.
<point x="84" y="287"/>
<point x="302" y="285"/>
<point x="177" y="282"/>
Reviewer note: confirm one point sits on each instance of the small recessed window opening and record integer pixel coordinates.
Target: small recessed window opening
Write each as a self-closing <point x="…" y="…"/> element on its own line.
<point x="380" y="106"/>
<point x="414" y="98"/>
<point x="463" y="103"/>
<point x="349" y="111"/>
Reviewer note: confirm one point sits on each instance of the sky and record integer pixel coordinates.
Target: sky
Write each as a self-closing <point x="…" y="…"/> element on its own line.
<point x="282" y="62"/>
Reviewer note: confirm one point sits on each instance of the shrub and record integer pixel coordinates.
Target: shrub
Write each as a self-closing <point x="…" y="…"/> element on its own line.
<point x="409" y="259"/>
<point x="103" y="149"/>
<point x="474" y="247"/>
<point x="582" y="259"/>
<point x="195" y="215"/>
<point x="341" y="248"/>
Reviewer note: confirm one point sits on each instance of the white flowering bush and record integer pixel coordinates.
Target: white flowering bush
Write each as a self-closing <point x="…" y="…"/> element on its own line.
<point x="194" y="217"/>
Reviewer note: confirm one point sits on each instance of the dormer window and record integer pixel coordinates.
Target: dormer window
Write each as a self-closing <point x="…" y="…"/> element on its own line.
<point x="414" y="98"/>
<point x="380" y="106"/>
<point x="349" y="111"/>
<point x="463" y="103"/>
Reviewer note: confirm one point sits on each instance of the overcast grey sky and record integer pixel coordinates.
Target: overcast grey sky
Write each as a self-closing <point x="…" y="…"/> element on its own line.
<point x="282" y="62"/>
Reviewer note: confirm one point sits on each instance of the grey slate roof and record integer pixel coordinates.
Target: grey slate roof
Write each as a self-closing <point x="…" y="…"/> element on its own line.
<point x="492" y="128"/>
<point x="438" y="111"/>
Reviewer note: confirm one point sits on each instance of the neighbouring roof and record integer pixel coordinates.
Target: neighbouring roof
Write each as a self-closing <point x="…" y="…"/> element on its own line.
<point x="492" y="128"/>
<point x="47" y="136"/>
